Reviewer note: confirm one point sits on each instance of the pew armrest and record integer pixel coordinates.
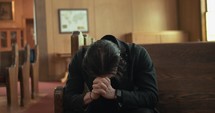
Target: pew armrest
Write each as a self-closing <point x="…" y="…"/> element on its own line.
<point x="58" y="99"/>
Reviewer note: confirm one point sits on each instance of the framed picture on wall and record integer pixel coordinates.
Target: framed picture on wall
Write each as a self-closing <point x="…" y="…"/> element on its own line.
<point x="6" y="10"/>
<point x="73" y="20"/>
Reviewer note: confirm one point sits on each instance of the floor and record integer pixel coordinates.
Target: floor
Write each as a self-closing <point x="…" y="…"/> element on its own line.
<point x="45" y="98"/>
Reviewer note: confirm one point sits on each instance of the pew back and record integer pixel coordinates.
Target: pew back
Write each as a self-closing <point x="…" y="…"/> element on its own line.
<point x="9" y="75"/>
<point x="186" y="76"/>
<point x="77" y="41"/>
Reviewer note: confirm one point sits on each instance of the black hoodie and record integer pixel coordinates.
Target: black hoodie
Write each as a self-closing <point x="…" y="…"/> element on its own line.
<point x="138" y="85"/>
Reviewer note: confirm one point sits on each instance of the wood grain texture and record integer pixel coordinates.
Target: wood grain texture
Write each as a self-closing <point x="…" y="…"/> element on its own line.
<point x="186" y="76"/>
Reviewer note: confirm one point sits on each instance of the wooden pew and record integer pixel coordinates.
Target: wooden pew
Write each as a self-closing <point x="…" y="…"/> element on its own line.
<point x="186" y="76"/>
<point x="34" y="73"/>
<point x="77" y="41"/>
<point x="24" y="75"/>
<point x="169" y="36"/>
<point x="9" y="75"/>
<point x="58" y="99"/>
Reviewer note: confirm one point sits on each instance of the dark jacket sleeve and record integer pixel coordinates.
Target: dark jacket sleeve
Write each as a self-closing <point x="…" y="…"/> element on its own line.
<point x="145" y="92"/>
<point x="73" y="97"/>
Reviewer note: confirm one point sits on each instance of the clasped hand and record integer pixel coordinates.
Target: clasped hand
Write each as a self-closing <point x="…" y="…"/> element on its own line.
<point x="102" y="87"/>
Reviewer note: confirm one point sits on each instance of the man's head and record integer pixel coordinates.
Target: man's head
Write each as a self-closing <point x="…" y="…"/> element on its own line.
<point x="101" y="58"/>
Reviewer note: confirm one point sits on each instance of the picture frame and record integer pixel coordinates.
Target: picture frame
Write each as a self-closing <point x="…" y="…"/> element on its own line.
<point x="6" y="10"/>
<point x="73" y="20"/>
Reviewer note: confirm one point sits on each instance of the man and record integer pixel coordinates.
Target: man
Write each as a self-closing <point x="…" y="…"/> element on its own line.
<point x="120" y="77"/>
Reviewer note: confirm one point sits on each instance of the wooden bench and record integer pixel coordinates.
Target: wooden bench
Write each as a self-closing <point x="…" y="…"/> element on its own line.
<point x="24" y="75"/>
<point x="34" y="72"/>
<point x="22" y="64"/>
<point x="186" y="77"/>
<point x="9" y="75"/>
<point x="169" y="36"/>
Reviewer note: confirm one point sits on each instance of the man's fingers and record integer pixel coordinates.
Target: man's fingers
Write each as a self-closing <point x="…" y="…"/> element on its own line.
<point x="108" y="79"/>
<point x="100" y="85"/>
<point x="99" y="91"/>
<point x="104" y="80"/>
